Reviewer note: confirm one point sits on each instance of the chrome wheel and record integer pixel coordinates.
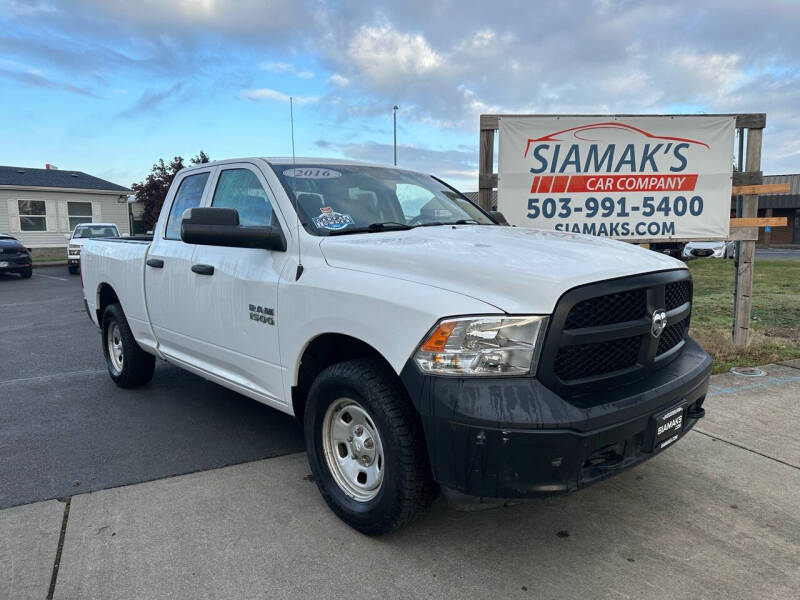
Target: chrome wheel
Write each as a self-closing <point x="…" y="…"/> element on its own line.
<point x="114" y="340"/>
<point x="353" y="449"/>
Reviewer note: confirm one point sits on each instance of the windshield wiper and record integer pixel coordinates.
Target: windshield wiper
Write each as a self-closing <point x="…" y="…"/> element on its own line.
<point x="373" y="227"/>
<point x="459" y="222"/>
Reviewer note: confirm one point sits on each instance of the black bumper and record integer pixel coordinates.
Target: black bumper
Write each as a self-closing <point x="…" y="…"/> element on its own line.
<point x="73" y="262"/>
<point x="514" y="438"/>
<point x="14" y="264"/>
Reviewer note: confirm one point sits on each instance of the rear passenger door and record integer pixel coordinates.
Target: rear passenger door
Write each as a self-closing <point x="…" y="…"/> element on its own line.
<point x="168" y="277"/>
<point x="238" y="301"/>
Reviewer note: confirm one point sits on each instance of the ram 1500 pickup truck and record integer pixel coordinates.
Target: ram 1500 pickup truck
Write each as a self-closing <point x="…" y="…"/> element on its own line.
<point x="420" y="343"/>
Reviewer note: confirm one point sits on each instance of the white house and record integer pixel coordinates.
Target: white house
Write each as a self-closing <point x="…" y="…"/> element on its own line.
<point x="38" y="206"/>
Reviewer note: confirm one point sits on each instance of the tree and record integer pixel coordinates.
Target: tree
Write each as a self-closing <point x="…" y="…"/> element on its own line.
<point x="153" y="190"/>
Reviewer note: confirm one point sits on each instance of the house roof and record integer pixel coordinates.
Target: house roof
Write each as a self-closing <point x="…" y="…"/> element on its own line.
<point x="55" y="178"/>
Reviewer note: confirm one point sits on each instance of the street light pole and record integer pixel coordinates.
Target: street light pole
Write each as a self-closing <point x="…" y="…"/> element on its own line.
<point x="394" y="112"/>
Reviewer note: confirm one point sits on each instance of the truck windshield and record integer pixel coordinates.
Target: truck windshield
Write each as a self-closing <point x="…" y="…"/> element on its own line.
<point x="342" y="199"/>
<point x="95" y="231"/>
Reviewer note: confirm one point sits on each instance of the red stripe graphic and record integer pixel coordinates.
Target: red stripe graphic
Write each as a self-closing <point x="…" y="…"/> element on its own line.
<point x="560" y="183"/>
<point x="535" y="184"/>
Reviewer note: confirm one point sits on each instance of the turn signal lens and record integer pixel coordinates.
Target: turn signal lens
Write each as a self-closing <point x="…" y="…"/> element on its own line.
<point x="438" y="339"/>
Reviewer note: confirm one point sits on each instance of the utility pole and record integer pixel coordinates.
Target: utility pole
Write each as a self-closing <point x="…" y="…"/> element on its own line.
<point x="394" y="113"/>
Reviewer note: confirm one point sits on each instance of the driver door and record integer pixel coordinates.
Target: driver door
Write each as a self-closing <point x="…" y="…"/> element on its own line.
<point x="237" y="289"/>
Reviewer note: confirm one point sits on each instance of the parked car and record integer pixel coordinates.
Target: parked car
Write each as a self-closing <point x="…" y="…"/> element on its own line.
<point x="721" y="249"/>
<point x="80" y="234"/>
<point x="417" y="340"/>
<point x="14" y="256"/>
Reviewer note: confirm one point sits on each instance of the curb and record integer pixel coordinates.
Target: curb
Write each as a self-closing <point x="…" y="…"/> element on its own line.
<point x="60" y="263"/>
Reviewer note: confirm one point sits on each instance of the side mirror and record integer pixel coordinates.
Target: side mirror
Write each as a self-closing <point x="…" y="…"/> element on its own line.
<point x="67" y="236"/>
<point x="220" y="227"/>
<point x="498" y="217"/>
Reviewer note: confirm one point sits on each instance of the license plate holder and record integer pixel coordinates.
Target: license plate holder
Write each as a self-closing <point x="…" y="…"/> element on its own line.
<point x="3" y="263"/>
<point x="668" y="426"/>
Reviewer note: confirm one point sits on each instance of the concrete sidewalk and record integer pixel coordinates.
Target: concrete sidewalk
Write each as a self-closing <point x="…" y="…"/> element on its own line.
<point x="717" y="516"/>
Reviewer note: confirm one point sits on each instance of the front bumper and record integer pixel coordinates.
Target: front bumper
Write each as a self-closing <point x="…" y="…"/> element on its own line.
<point x="512" y="437"/>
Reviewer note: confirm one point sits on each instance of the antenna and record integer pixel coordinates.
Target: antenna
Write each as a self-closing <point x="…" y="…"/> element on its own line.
<point x="294" y="193"/>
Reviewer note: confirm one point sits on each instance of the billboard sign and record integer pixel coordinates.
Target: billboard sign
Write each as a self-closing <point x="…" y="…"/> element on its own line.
<point x="631" y="178"/>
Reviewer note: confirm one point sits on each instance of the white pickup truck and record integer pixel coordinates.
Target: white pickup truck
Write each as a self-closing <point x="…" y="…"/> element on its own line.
<point x="419" y="341"/>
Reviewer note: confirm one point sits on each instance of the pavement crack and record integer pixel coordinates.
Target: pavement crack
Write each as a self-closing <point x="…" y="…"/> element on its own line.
<point x="57" y="562"/>
<point x="790" y="366"/>
<point x="716" y="437"/>
<point x="51" y="376"/>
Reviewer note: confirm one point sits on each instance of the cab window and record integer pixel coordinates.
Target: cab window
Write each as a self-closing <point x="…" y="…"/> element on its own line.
<point x="189" y="195"/>
<point x="241" y="189"/>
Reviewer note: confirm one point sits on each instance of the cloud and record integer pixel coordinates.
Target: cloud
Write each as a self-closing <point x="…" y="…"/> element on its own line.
<point x="37" y="79"/>
<point x="150" y="101"/>
<point x="339" y="80"/>
<point x="266" y="94"/>
<point x="286" y="68"/>
<point x="384" y="56"/>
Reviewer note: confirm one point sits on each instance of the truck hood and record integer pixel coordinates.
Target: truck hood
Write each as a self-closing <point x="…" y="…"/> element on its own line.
<point x="514" y="269"/>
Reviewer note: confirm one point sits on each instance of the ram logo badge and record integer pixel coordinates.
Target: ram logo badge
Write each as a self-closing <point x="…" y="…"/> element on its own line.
<point x="659" y="322"/>
<point x="262" y="314"/>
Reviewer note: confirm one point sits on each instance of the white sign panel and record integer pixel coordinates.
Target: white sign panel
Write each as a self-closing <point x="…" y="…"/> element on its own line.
<point x="656" y="177"/>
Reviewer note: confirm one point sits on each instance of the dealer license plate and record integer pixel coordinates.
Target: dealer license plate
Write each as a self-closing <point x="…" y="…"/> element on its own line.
<point x="3" y="263"/>
<point x="669" y="426"/>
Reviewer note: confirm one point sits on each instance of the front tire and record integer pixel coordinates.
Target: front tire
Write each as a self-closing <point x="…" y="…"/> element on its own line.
<point x="73" y="270"/>
<point x="26" y="273"/>
<point x="366" y="447"/>
<point x="128" y="365"/>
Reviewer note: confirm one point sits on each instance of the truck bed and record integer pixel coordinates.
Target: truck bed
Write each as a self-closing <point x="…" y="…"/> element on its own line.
<point x="120" y="264"/>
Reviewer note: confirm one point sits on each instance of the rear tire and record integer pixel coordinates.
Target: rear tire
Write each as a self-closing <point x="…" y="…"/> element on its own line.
<point x="385" y="431"/>
<point x="74" y="270"/>
<point x="128" y="365"/>
<point x="26" y="273"/>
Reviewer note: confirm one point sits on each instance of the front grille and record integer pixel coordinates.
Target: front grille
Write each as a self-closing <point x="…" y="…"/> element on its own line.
<point x="672" y="336"/>
<point x="590" y="360"/>
<point x="600" y="334"/>
<point x="605" y="310"/>
<point x="678" y="293"/>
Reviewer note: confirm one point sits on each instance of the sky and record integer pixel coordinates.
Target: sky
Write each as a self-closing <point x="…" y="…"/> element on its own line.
<point x="109" y="87"/>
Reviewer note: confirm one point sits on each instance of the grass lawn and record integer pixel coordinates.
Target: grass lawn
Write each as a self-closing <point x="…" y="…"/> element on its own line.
<point x="775" y="328"/>
<point x="49" y="255"/>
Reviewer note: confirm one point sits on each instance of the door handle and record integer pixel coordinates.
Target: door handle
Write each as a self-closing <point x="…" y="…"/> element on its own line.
<point x="203" y="269"/>
<point x="156" y="263"/>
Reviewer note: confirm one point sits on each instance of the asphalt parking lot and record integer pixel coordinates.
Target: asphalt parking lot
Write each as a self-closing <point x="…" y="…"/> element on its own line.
<point x="65" y="428"/>
<point x="715" y="516"/>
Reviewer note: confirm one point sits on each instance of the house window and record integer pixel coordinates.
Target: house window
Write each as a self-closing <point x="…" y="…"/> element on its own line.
<point x="79" y="212"/>
<point x="32" y="215"/>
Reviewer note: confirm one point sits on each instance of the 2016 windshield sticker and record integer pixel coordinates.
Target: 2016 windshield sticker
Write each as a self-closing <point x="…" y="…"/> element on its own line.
<point x="330" y="219"/>
<point x="311" y="173"/>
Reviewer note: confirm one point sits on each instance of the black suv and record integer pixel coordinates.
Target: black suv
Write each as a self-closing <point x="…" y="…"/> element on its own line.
<point x="14" y="257"/>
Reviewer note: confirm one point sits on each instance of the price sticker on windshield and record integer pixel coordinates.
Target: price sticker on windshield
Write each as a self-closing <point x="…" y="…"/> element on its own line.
<point x="311" y="173"/>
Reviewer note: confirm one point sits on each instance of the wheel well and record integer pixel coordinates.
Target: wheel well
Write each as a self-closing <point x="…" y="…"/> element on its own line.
<point x="105" y="297"/>
<point x="324" y="351"/>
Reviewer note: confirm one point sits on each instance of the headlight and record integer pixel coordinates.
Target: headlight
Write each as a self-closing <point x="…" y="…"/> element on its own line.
<point x="483" y="346"/>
